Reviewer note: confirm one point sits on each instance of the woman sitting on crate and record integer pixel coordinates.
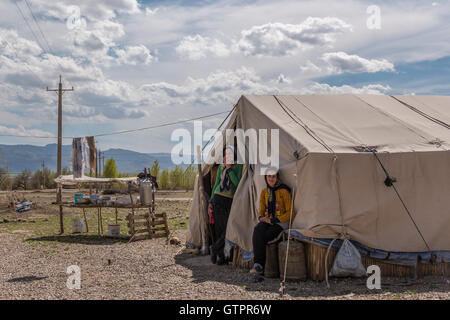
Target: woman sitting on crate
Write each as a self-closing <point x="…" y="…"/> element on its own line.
<point x="274" y="216"/>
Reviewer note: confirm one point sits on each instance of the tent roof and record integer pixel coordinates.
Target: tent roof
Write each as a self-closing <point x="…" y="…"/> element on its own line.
<point x="345" y="121"/>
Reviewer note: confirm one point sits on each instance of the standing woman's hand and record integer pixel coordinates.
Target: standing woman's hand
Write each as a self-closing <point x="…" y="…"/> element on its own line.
<point x="210" y="214"/>
<point x="226" y="164"/>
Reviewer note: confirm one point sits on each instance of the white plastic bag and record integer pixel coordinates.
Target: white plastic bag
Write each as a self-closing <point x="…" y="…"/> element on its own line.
<point x="347" y="262"/>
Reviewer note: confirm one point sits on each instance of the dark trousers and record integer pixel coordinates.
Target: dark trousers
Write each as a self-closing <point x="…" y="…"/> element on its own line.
<point x="262" y="234"/>
<point x="221" y="212"/>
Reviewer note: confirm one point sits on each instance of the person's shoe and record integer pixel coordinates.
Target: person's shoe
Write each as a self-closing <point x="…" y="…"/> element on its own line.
<point x="257" y="269"/>
<point x="213" y="258"/>
<point x="258" y="278"/>
<point x="221" y="261"/>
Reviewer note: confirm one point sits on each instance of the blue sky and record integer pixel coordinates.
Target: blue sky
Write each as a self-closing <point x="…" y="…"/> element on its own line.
<point x="141" y="63"/>
<point x="421" y="77"/>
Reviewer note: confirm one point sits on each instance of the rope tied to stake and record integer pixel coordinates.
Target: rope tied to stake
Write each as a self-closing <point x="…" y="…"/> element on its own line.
<point x="283" y="283"/>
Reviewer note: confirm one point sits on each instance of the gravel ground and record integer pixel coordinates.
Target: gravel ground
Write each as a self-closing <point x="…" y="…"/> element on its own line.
<point x="33" y="264"/>
<point x="154" y="270"/>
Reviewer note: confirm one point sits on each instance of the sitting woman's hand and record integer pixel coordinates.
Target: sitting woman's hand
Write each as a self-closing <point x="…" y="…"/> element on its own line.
<point x="265" y="219"/>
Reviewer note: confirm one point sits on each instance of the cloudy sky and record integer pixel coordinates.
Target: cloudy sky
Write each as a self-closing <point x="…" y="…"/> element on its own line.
<point x="141" y="63"/>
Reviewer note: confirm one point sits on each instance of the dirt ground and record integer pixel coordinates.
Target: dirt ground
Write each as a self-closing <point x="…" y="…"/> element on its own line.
<point x="34" y="262"/>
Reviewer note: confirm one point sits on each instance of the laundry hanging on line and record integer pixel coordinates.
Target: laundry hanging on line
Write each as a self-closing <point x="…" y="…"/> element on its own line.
<point x="84" y="148"/>
<point x="92" y="153"/>
<point x="77" y="158"/>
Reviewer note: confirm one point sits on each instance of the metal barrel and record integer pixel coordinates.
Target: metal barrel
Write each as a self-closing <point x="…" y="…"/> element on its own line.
<point x="145" y="192"/>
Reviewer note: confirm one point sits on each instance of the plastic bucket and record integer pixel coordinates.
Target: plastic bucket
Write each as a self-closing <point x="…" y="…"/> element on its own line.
<point x="77" y="225"/>
<point x="113" y="230"/>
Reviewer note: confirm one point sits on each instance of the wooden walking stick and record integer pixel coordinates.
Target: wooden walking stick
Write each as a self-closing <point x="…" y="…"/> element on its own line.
<point x="85" y="220"/>
<point x="131" y="215"/>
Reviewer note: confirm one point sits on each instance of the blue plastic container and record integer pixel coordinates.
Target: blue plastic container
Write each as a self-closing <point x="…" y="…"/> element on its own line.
<point x="78" y="196"/>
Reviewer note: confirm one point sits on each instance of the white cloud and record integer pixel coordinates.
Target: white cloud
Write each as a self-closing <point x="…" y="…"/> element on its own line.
<point x="197" y="47"/>
<point x="134" y="55"/>
<point x="21" y="131"/>
<point x="24" y="64"/>
<point x="310" y="67"/>
<point x="107" y="93"/>
<point x="112" y="113"/>
<point x="92" y="10"/>
<point x="93" y="41"/>
<point x="14" y="46"/>
<point x="219" y="87"/>
<point x="324" y="88"/>
<point x="271" y="39"/>
<point x="340" y="62"/>
<point x="279" y="39"/>
<point x="23" y="93"/>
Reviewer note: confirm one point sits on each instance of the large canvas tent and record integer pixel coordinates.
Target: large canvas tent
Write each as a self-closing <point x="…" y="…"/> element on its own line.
<point x="332" y="152"/>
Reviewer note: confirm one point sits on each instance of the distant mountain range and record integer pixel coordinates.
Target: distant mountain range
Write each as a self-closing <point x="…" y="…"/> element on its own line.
<point x="20" y="157"/>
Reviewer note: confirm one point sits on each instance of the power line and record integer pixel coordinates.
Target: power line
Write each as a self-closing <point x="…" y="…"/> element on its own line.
<point x="29" y="136"/>
<point x="159" y="126"/>
<point x="120" y="132"/>
<point x="25" y="64"/>
<point x="212" y="138"/>
<point x="116" y="154"/>
<point x="29" y="27"/>
<point x="49" y="55"/>
<point x="37" y="24"/>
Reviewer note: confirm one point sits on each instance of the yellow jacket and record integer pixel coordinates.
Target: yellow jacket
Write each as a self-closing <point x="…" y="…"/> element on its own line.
<point x="284" y="200"/>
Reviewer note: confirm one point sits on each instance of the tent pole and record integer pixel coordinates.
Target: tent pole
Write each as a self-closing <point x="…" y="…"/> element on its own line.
<point x="205" y="248"/>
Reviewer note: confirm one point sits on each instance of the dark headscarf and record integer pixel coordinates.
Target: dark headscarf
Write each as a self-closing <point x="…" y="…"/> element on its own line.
<point x="271" y="206"/>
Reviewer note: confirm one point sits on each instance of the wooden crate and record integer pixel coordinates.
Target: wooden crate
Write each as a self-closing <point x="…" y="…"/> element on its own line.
<point x="148" y="226"/>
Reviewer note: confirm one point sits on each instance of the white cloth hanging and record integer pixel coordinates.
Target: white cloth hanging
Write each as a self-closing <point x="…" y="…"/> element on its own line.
<point x="84" y="148"/>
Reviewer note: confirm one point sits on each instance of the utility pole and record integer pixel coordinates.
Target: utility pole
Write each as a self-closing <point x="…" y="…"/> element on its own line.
<point x="60" y="91"/>
<point x="99" y="162"/>
<point x="43" y="174"/>
<point x="96" y="166"/>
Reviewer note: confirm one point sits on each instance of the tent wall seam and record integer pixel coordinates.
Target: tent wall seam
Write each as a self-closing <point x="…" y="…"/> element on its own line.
<point x="423" y="114"/>
<point x="308" y="130"/>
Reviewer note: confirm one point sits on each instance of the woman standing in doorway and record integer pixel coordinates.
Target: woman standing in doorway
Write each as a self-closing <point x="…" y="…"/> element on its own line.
<point x="228" y="176"/>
